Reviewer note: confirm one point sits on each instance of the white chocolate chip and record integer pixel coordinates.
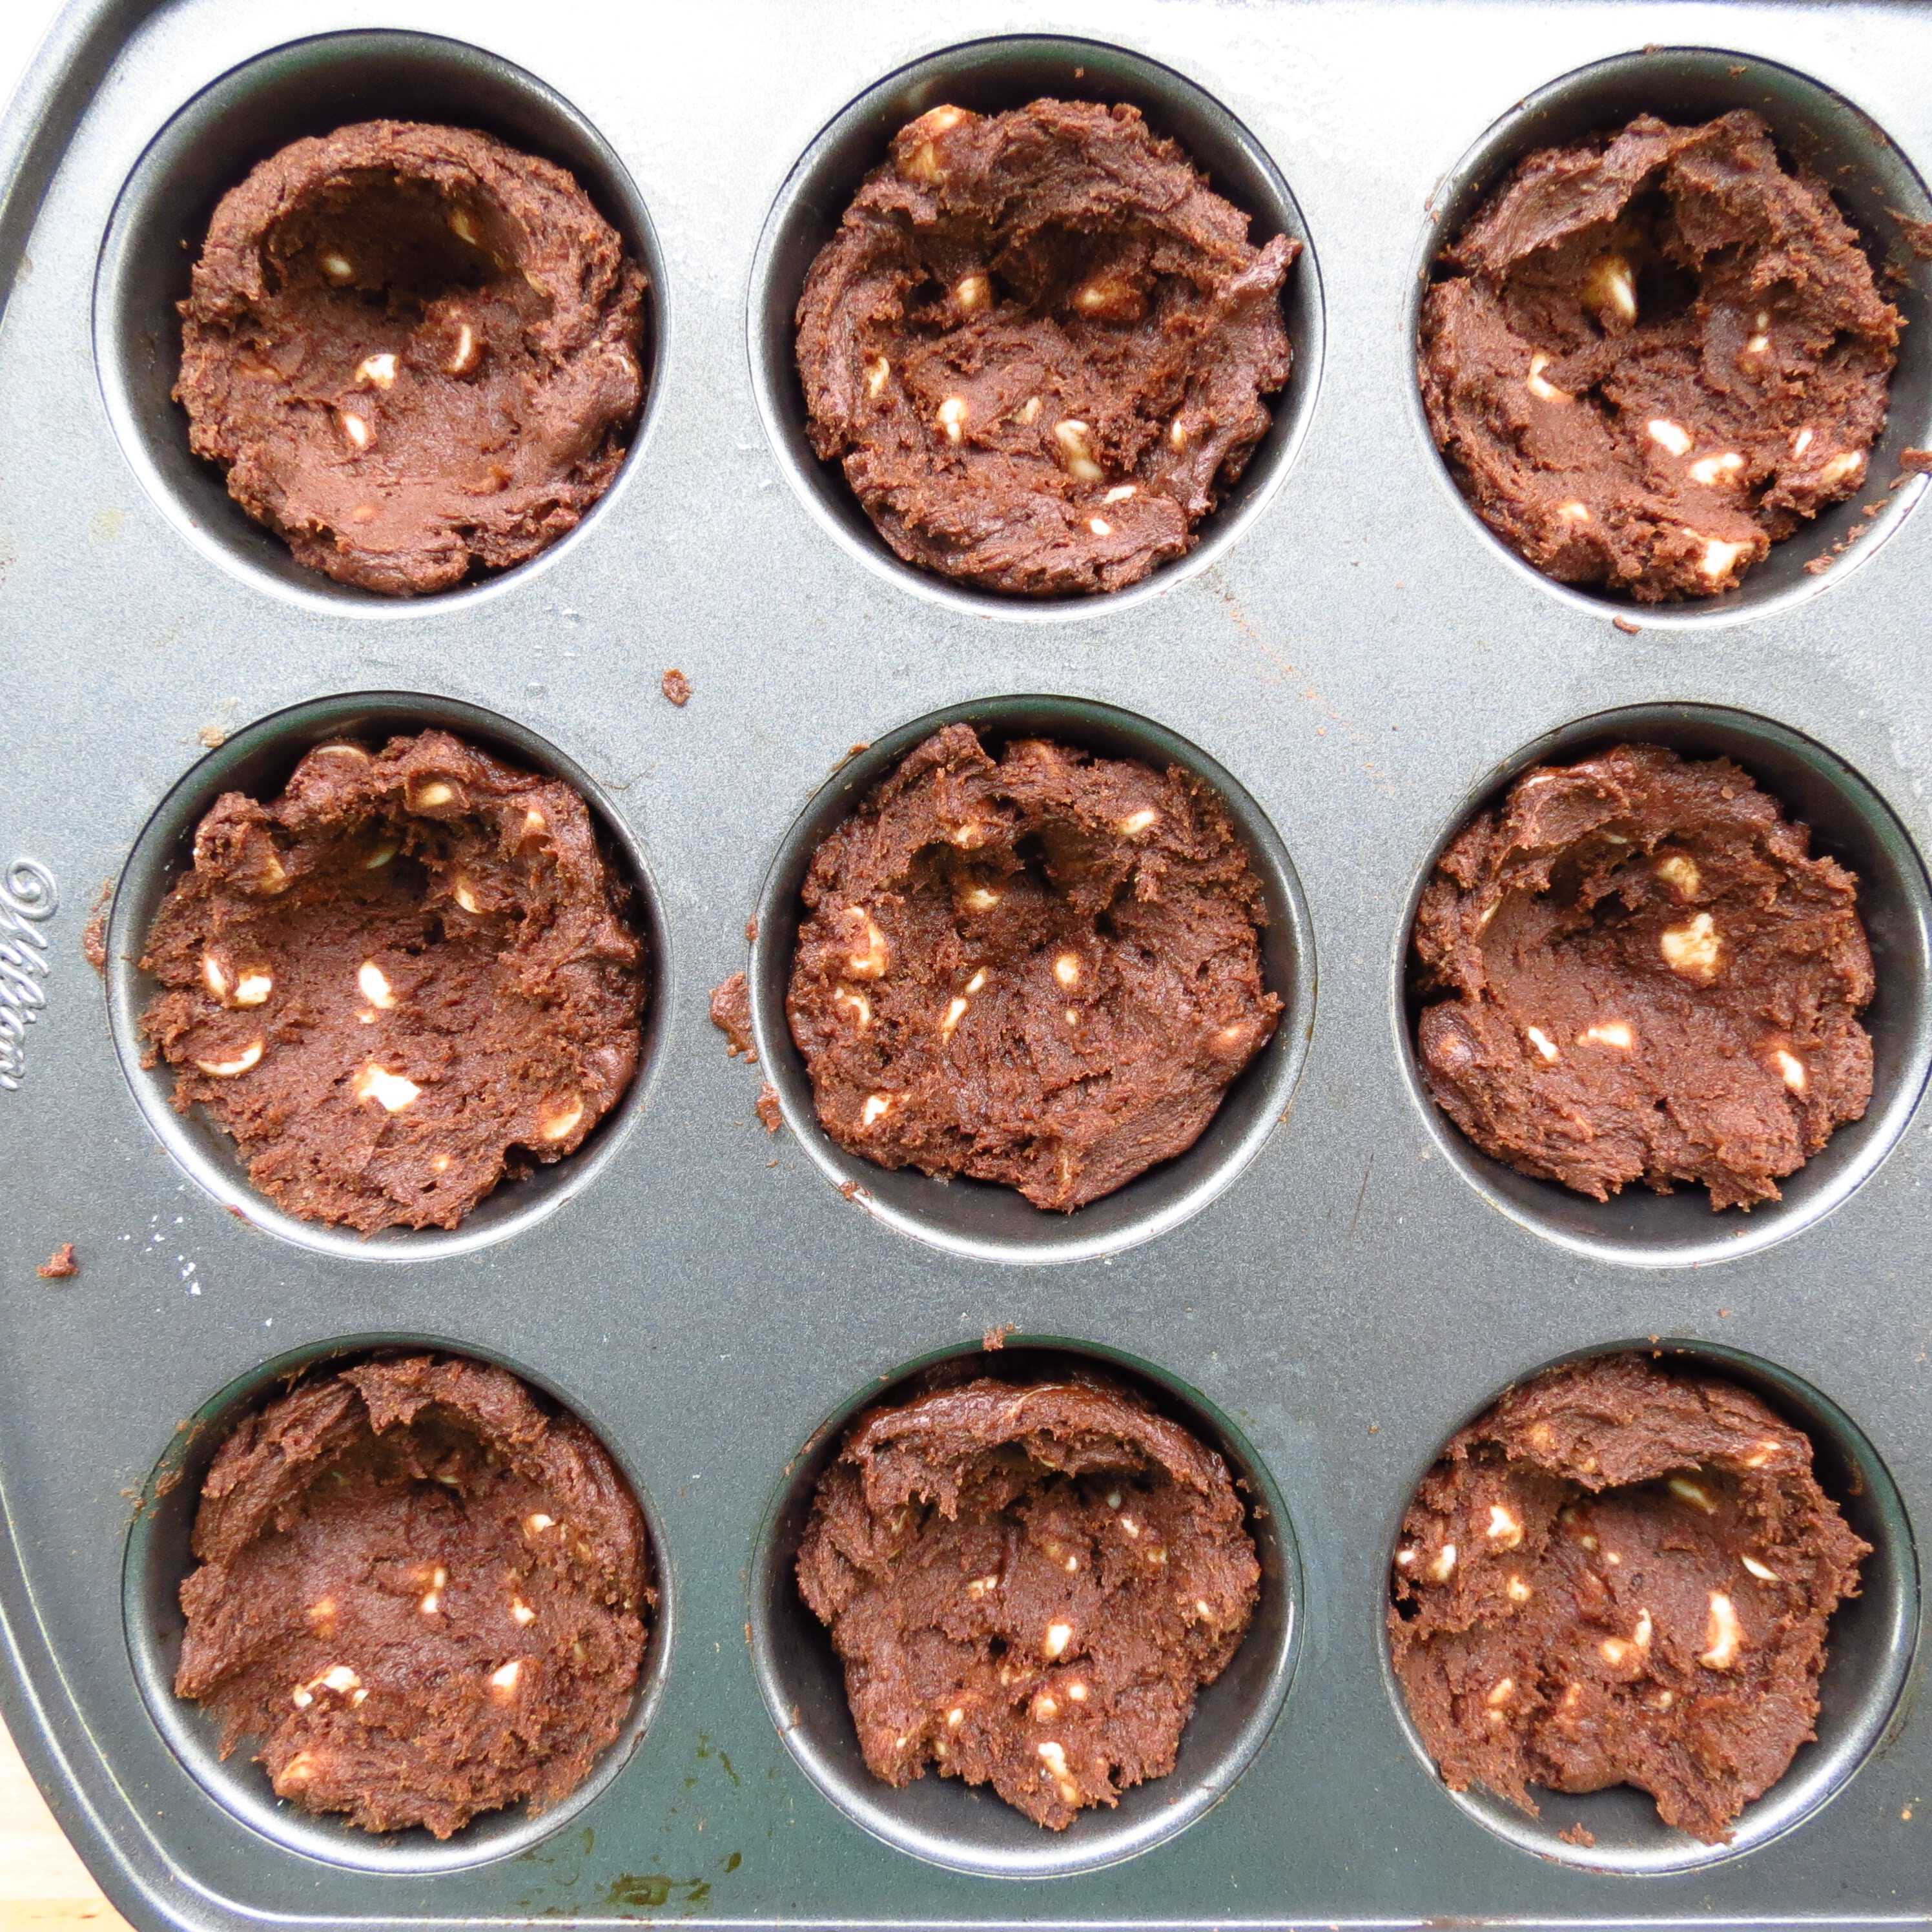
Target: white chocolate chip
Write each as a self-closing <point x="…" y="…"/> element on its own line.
<point x="876" y="1105"/>
<point x="337" y="267"/>
<point x="503" y="1681"/>
<point x="463" y="358"/>
<point x="301" y="1696"/>
<point x="226" y="1070"/>
<point x="461" y="893"/>
<point x="558" y="1126"/>
<point x="395" y="1091"/>
<point x="1500" y="1692"/>
<point x="376" y="372"/>
<point x="378" y="859"/>
<point x="956" y="1717"/>
<point x="1679" y="871"/>
<point x="375" y="985"/>
<point x="1612" y="286"/>
<point x="860" y="1007"/>
<point x="1505" y="1529"/>
<point x="1055" y="1758"/>
<point x="1710" y="470"/>
<point x="1119" y="493"/>
<point x="1698" y="1497"/>
<point x="871" y="953"/>
<point x="1669" y="435"/>
<point x="1762" y="1571"/>
<point x="1100" y="527"/>
<point x="1573" y="512"/>
<point x="1723" y="1635"/>
<point x="1609" y="1033"/>
<point x="428" y="797"/>
<point x="536" y="1522"/>
<point x="1058" y="1635"/>
<point x="1540" y="360"/>
<point x="1137" y="822"/>
<point x="1129" y="1527"/>
<point x="954" y="1012"/>
<point x="252" y="988"/>
<point x="1790" y="1067"/>
<point x="952" y="418"/>
<point x="983" y="1586"/>
<point x="1641" y="1636"/>
<point x="1176" y="434"/>
<point x="1719" y="556"/>
<point x="338" y="1677"/>
<point x="1541" y="1041"/>
<point x="213" y="977"/>
<point x="922" y="160"/>
<point x="1030" y="410"/>
<point x="1108" y="297"/>
<point x="357" y="432"/>
<point x="1693" y="950"/>
<point x="1841" y="468"/>
<point x="972" y="292"/>
<point x="877" y="375"/>
<point x="1517" y="1591"/>
<point x="1076" y="451"/>
<point x="1077" y="1691"/>
<point x="1614" y="1650"/>
<point x="465" y="228"/>
<point x="1046" y="1707"/>
<point x="978" y="980"/>
<point x="1113" y="1499"/>
<point x="1067" y="970"/>
<point x="1444" y="1565"/>
<point x="1761" y="1455"/>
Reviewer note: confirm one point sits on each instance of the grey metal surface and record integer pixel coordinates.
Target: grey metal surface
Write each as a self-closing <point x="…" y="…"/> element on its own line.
<point x="1358" y="658"/>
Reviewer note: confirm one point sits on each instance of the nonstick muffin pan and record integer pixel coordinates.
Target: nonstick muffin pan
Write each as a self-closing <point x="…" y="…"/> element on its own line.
<point x="1326" y="1286"/>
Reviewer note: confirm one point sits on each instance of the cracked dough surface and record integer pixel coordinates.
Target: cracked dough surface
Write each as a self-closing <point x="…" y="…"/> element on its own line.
<point x="1620" y="1574"/>
<point x="411" y="975"/>
<point x="1038" y="344"/>
<point x="415" y="352"/>
<point x="421" y="1591"/>
<point x="1634" y="969"/>
<point x="1041" y="967"/>
<point x="1655" y="353"/>
<point x="1027" y="1584"/>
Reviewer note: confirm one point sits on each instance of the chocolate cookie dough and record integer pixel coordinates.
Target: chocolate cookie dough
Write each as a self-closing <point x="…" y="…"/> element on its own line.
<point x="1038" y="343"/>
<point x="1634" y="969"/>
<point x="1042" y="969"/>
<point x="1655" y="353"/>
<point x="422" y="1590"/>
<point x="1027" y="1584"/>
<point x="1620" y="1575"/>
<point x="414" y="350"/>
<point x="411" y="975"/>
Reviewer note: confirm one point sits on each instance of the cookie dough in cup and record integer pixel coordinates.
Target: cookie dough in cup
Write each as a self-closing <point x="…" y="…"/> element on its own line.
<point x="422" y="1594"/>
<point x="415" y="351"/>
<point x="1038" y="345"/>
<point x="1030" y="965"/>
<point x="1654" y="352"/>
<point x="413" y="975"/>
<point x="1029" y="1582"/>
<point x="1621" y="1574"/>
<point x="1634" y="969"/>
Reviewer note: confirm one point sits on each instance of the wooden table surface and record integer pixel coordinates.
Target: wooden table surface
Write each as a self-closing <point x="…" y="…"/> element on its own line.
<point x="42" y="1883"/>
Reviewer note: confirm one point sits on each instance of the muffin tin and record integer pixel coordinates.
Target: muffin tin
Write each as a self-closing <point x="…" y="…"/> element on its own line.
<point x="1328" y="1285"/>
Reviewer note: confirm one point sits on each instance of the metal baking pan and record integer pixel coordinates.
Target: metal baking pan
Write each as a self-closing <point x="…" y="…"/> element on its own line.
<point x="1328" y="1285"/>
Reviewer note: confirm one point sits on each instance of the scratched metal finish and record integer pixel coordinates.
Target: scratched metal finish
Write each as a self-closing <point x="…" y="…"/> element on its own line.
<point x="1358" y="657"/>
